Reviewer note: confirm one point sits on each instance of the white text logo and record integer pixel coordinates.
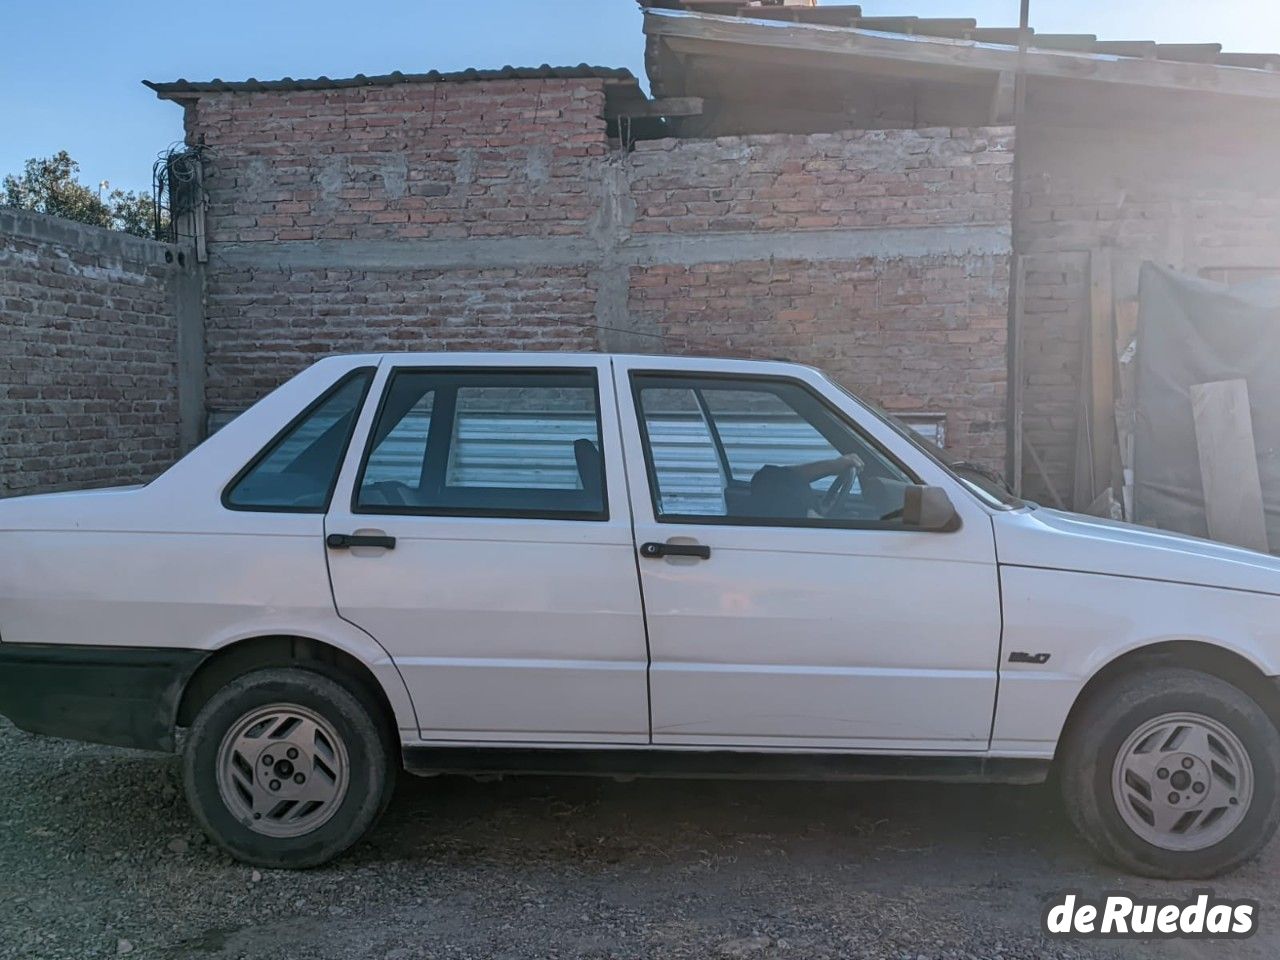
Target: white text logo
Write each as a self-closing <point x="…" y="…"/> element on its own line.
<point x="1071" y="914"/>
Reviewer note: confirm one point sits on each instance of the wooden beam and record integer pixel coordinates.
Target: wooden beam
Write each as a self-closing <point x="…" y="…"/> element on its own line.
<point x="1017" y="374"/>
<point x="1002" y="98"/>
<point x="1126" y="396"/>
<point x="1102" y="359"/>
<point x="1229" y="464"/>
<point x="1044" y="474"/>
<point x="1082" y="492"/>
<point x="834" y="43"/>
<point x="665" y="107"/>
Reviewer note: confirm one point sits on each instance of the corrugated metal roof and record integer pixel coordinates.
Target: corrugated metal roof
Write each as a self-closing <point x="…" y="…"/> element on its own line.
<point x="957" y="28"/>
<point x="192" y="88"/>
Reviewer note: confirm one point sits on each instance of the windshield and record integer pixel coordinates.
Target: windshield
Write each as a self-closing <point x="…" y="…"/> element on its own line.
<point x="985" y="484"/>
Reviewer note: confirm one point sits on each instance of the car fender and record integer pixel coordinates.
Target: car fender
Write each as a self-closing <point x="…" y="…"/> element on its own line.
<point x="335" y="632"/>
<point x="1061" y="628"/>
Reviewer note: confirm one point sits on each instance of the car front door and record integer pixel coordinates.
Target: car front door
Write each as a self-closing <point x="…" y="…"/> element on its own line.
<point x="481" y="533"/>
<point x="787" y="604"/>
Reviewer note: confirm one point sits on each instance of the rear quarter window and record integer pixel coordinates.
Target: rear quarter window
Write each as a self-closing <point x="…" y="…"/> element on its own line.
<point x="297" y="471"/>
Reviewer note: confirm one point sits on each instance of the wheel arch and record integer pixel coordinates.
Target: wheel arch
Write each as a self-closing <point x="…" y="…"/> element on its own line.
<point x="287" y="650"/>
<point x="1218" y="661"/>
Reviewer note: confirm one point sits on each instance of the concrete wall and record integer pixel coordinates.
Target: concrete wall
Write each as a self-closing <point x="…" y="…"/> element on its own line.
<point x="90" y="355"/>
<point x="1189" y="184"/>
<point x="495" y="215"/>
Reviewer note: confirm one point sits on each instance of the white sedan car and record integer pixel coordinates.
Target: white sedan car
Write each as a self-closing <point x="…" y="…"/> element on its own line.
<point x="630" y="565"/>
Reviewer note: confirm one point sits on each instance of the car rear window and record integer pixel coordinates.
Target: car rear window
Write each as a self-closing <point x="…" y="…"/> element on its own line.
<point x="297" y="471"/>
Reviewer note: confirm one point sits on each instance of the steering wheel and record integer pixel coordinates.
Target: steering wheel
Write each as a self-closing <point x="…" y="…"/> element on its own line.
<point x="836" y="493"/>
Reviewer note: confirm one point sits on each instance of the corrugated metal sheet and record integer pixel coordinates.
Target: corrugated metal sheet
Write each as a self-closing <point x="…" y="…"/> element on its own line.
<point x="689" y="474"/>
<point x="535" y="451"/>
<point x="529" y="451"/>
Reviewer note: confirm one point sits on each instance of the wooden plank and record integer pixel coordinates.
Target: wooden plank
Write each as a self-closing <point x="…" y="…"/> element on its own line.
<point x="835" y="44"/>
<point x="202" y="199"/>
<point x="1126" y="395"/>
<point x="1127" y="48"/>
<point x="1081" y="42"/>
<point x="664" y="107"/>
<point x="1189" y="52"/>
<point x="1006" y="35"/>
<point x="1002" y="98"/>
<point x="1017" y="375"/>
<point x="1126" y="344"/>
<point x="1102" y="354"/>
<point x="1229" y="463"/>
<point x="1254" y="61"/>
<point x="1082" y="493"/>
<point x="1044" y="474"/>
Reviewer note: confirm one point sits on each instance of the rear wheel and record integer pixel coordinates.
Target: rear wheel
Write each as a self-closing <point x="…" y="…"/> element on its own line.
<point x="1173" y="773"/>
<point x="285" y="767"/>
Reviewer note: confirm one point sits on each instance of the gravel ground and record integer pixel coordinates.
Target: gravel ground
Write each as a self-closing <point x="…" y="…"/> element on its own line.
<point x="99" y="858"/>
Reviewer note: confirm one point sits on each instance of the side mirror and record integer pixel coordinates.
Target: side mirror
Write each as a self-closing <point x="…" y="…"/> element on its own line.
<point x="929" y="509"/>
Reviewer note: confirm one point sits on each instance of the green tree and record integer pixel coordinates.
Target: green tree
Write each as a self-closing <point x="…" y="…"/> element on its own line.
<point x="49" y="185"/>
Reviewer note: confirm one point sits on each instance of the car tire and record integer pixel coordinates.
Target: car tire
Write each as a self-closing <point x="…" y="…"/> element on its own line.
<point x="1172" y="773"/>
<point x="287" y="768"/>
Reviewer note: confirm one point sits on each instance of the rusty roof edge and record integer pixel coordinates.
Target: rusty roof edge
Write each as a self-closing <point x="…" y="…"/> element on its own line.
<point x="1065" y="64"/>
<point x="185" y="89"/>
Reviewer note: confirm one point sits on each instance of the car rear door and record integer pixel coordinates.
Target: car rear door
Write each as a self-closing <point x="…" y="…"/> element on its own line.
<point x="481" y="533"/>
<point x="798" y="631"/>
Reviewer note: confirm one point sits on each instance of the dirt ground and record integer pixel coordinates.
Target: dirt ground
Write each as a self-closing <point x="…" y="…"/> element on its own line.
<point x="98" y="857"/>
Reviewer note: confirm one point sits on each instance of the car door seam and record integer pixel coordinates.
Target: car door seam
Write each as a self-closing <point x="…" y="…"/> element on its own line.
<point x="635" y="557"/>
<point x="995" y="700"/>
<point x="333" y="598"/>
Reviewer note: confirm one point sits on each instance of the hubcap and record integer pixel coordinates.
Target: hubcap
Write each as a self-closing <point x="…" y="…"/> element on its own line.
<point x="282" y="770"/>
<point x="1182" y="781"/>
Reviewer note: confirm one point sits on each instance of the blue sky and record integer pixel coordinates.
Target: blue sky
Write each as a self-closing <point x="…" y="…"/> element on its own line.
<point x="70" y="72"/>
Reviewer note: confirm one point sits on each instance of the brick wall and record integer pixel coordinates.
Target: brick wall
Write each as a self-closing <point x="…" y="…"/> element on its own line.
<point x="88" y="356"/>
<point x="445" y="160"/>
<point x="424" y="161"/>
<point x="853" y="179"/>
<point x="916" y="333"/>
<point x="264" y="325"/>
<point x="921" y="335"/>
<point x="496" y="215"/>
<point x="1190" y="186"/>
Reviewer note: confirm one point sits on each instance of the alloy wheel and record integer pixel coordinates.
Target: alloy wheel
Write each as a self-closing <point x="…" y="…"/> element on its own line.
<point x="282" y="770"/>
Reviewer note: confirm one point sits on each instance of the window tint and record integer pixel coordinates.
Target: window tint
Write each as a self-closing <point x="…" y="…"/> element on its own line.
<point x="297" y="471"/>
<point x="759" y="428"/>
<point x="521" y="443"/>
<point x="761" y="451"/>
<point x="399" y="454"/>
<point x="689" y="476"/>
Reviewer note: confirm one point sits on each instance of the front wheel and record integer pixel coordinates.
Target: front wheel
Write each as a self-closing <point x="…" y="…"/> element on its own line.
<point x="285" y="767"/>
<point x="1173" y="773"/>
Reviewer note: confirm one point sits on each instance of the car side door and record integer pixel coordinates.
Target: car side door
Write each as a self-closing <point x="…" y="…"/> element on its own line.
<point x="481" y="533"/>
<point x="774" y="626"/>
